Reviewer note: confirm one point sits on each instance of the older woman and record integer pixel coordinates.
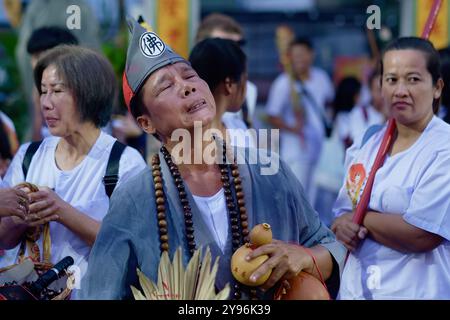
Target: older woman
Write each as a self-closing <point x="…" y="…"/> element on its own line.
<point x="406" y="254"/>
<point x="222" y="64"/>
<point x="77" y="88"/>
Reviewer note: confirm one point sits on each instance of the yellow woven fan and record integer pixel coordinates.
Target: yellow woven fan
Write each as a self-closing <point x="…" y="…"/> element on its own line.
<point x="176" y="283"/>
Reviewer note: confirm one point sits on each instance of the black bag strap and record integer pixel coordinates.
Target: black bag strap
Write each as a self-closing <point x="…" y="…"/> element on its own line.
<point x="112" y="169"/>
<point x="31" y="150"/>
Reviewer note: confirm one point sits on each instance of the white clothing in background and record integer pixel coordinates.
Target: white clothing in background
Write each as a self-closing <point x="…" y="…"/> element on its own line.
<point x="302" y="155"/>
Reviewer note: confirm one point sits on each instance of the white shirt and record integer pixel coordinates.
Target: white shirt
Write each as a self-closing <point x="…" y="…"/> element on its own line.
<point x="82" y="187"/>
<point x="214" y="212"/>
<point x="279" y="104"/>
<point x="414" y="183"/>
<point x="250" y="98"/>
<point x="360" y="118"/>
<point x="330" y="168"/>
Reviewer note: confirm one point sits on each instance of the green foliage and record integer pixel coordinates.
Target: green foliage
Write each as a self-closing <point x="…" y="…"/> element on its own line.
<point x="116" y="52"/>
<point x="13" y="101"/>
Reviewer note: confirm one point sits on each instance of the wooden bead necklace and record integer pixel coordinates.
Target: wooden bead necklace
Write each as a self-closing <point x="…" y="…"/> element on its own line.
<point x="238" y="218"/>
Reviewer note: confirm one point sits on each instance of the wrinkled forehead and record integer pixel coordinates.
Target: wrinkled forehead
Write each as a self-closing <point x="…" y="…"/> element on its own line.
<point x="170" y="69"/>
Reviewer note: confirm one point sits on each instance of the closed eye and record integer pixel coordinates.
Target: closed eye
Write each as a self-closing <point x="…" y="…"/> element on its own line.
<point x="164" y="87"/>
<point x="190" y="76"/>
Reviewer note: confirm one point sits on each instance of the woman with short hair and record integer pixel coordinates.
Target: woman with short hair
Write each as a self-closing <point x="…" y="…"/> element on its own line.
<point x="77" y="87"/>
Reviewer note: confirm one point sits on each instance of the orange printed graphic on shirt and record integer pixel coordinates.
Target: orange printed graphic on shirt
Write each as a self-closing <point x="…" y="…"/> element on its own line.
<point x="355" y="180"/>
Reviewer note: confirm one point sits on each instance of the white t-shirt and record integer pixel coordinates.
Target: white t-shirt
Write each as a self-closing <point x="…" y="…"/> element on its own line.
<point x="240" y="135"/>
<point x="214" y="212"/>
<point x="250" y="98"/>
<point x="330" y="168"/>
<point x="414" y="183"/>
<point x="360" y="118"/>
<point x="82" y="187"/>
<point x="279" y="104"/>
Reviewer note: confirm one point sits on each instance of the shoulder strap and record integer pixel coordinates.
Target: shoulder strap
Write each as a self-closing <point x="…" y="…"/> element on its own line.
<point x="31" y="150"/>
<point x="316" y="108"/>
<point x="370" y="132"/>
<point x="112" y="169"/>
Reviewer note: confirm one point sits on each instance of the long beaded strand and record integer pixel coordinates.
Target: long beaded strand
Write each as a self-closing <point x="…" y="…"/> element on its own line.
<point x="239" y="231"/>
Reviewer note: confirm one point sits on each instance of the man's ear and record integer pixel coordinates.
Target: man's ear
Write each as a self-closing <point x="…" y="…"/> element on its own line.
<point x="228" y="86"/>
<point x="146" y="123"/>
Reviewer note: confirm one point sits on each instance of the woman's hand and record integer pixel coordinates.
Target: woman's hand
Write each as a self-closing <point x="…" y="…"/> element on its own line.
<point x="45" y="206"/>
<point x="348" y="232"/>
<point x="13" y="202"/>
<point x="286" y="261"/>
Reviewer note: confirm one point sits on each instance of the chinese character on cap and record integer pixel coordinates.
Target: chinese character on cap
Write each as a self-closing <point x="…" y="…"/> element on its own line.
<point x="147" y="53"/>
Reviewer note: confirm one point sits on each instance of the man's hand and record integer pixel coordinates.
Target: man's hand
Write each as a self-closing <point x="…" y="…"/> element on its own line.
<point x="13" y="202"/>
<point x="285" y="260"/>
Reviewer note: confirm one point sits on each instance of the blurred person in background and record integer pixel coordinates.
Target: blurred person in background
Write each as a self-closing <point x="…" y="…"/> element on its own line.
<point x="218" y="25"/>
<point x="330" y="169"/>
<point x="444" y="111"/>
<point x="301" y="140"/>
<point x="222" y="64"/>
<point x="363" y="116"/>
<point x="8" y="142"/>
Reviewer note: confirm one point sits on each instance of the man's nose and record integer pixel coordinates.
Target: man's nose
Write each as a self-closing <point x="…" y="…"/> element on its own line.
<point x="188" y="89"/>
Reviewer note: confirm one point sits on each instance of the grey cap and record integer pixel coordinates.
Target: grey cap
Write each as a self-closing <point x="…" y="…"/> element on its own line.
<point x="146" y="54"/>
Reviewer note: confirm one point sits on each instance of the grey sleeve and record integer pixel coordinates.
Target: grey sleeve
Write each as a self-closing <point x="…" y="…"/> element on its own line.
<point x="312" y="230"/>
<point x="112" y="261"/>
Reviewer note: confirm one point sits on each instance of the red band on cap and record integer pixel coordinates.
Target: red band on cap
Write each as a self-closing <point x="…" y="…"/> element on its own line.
<point x="127" y="92"/>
